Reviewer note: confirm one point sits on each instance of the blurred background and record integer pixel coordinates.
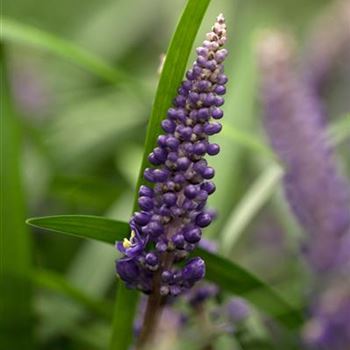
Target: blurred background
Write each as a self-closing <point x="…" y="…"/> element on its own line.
<point x="74" y="142"/>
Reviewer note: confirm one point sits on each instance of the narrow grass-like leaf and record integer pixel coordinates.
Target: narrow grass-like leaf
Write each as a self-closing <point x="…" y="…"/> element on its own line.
<point x="86" y="226"/>
<point x="257" y="195"/>
<point x="16" y="32"/>
<point x="15" y="244"/>
<point x="228" y="275"/>
<point x="56" y="283"/>
<point x="172" y="73"/>
<point x="123" y="317"/>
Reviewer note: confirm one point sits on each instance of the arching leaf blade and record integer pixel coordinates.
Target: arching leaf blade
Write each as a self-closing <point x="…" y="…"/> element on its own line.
<point x="229" y="276"/>
<point x="83" y="226"/>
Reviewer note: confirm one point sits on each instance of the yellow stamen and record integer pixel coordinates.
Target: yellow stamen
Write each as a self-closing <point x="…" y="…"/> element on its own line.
<point x="127" y="243"/>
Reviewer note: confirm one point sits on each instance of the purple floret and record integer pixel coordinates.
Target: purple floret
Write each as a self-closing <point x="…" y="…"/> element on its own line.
<point x="172" y="208"/>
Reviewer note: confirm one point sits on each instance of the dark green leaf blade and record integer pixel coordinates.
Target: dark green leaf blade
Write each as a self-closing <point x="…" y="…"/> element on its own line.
<point x="15" y="244"/>
<point x="228" y="275"/>
<point x="84" y="226"/>
<point x="123" y="317"/>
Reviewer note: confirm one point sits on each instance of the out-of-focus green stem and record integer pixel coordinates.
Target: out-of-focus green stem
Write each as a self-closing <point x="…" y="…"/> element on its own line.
<point x="15" y="288"/>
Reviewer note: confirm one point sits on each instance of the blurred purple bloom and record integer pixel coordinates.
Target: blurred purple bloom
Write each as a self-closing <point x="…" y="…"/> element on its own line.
<point x="172" y="213"/>
<point x="318" y="195"/>
<point x="329" y="327"/>
<point x="201" y="293"/>
<point x="209" y="245"/>
<point x="237" y="310"/>
<point x="316" y="192"/>
<point x="31" y="91"/>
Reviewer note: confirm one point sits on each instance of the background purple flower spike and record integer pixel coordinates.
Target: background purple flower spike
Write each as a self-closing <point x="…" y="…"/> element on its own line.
<point x="318" y="195"/>
<point x="172" y="211"/>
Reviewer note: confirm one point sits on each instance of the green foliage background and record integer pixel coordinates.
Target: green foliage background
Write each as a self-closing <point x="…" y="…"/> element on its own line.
<point x="78" y="79"/>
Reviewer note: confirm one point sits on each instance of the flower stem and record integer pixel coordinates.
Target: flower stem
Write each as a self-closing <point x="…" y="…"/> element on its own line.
<point x="205" y="327"/>
<point x="150" y="322"/>
<point x="154" y="307"/>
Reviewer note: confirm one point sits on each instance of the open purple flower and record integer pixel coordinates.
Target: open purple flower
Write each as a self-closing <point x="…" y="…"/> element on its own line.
<point x="172" y="211"/>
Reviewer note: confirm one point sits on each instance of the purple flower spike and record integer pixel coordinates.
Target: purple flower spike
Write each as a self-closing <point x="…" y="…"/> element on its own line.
<point x="317" y="194"/>
<point x="172" y="213"/>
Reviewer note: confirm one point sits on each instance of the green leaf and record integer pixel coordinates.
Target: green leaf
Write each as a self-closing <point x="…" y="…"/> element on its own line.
<point x="228" y="275"/>
<point x="15" y="244"/>
<point x="13" y="31"/>
<point x="84" y="226"/>
<point x="172" y="74"/>
<point x="123" y="317"/>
